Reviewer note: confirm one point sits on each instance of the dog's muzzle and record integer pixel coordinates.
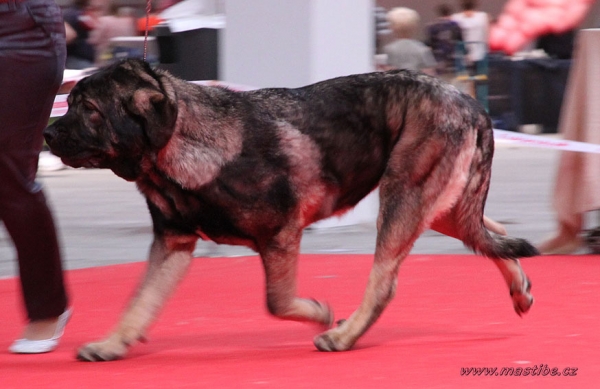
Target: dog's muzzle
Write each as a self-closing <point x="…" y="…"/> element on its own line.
<point x="49" y="134"/>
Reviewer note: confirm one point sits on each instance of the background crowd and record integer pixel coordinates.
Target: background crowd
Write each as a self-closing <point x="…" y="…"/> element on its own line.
<point x="90" y="26"/>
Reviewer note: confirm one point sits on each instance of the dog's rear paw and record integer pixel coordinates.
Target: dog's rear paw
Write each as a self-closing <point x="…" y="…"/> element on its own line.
<point x="522" y="299"/>
<point x="107" y="350"/>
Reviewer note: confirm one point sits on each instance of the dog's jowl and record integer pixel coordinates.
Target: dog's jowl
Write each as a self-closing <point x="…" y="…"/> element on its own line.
<point x="255" y="168"/>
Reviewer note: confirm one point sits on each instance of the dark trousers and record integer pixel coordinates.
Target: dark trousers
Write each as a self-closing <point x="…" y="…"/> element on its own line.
<point x="32" y="60"/>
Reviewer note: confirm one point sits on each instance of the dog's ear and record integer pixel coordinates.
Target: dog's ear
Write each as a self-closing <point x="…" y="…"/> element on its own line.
<point x="157" y="111"/>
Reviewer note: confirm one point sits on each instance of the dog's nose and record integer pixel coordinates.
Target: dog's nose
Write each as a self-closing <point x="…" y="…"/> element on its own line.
<point x="49" y="134"/>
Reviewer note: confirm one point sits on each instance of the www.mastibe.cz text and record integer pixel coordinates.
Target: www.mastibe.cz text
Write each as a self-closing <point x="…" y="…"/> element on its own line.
<point x="541" y="370"/>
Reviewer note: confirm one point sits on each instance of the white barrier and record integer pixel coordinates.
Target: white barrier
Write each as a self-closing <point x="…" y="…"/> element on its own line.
<point x="59" y="108"/>
<point x="544" y="142"/>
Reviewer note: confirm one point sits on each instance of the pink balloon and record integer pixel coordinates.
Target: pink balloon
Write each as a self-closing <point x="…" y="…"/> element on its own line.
<point x="508" y="35"/>
<point x="570" y="16"/>
<point x="524" y="20"/>
<point x="496" y="39"/>
<point x="544" y="3"/>
<point x="515" y="41"/>
<point x="508" y="22"/>
<point x="497" y="36"/>
<point x="533" y="22"/>
<point x="515" y="7"/>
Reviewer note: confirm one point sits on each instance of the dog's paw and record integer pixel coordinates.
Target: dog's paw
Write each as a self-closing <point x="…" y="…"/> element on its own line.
<point x="522" y="299"/>
<point x="107" y="350"/>
<point x="326" y="313"/>
<point x="332" y="340"/>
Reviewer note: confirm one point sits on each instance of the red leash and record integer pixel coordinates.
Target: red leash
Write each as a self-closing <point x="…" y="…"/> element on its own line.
<point x="148" y="9"/>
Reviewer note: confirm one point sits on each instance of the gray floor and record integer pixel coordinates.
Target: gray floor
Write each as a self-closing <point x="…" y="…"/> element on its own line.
<point x="103" y="219"/>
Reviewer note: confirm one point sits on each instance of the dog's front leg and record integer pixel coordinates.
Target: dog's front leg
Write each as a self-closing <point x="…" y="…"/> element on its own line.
<point x="169" y="259"/>
<point x="280" y="257"/>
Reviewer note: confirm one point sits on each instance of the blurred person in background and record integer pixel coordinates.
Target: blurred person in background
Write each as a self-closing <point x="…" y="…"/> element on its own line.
<point x="120" y="21"/>
<point x="475" y="26"/>
<point x="406" y="52"/>
<point x="444" y="36"/>
<point x="80" y="20"/>
<point x="32" y="60"/>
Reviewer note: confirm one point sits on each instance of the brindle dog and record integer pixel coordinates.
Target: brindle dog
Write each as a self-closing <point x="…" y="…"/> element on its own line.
<point x="255" y="168"/>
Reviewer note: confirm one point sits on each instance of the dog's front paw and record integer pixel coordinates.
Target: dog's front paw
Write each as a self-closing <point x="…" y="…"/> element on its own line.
<point x="107" y="350"/>
<point x="333" y="340"/>
<point x="522" y="299"/>
<point x="325" y="313"/>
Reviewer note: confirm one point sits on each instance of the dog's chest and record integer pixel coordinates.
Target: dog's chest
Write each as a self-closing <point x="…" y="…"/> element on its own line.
<point x="167" y="196"/>
<point x="192" y="212"/>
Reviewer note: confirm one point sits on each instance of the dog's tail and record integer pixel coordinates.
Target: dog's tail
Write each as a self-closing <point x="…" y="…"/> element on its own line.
<point x="498" y="246"/>
<point x="468" y="211"/>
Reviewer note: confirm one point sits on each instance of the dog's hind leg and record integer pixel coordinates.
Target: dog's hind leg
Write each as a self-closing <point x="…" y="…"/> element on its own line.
<point x="280" y="256"/>
<point x="518" y="284"/>
<point x="469" y="222"/>
<point x="169" y="260"/>
<point x="446" y="225"/>
<point x="399" y="225"/>
<point x="410" y="199"/>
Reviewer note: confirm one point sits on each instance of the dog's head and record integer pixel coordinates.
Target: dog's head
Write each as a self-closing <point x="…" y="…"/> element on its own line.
<point x="115" y="116"/>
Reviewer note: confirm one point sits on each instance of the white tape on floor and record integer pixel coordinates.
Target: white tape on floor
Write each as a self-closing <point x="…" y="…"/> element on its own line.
<point x="544" y="142"/>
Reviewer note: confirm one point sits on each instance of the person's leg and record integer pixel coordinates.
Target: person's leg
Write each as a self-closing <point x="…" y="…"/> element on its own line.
<point x="32" y="59"/>
<point x="28" y="220"/>
<point x="567" y="239"/>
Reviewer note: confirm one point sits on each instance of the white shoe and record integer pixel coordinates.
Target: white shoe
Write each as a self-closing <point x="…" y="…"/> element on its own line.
<point x="26" y="346"/>
<point x="49" y="162"/>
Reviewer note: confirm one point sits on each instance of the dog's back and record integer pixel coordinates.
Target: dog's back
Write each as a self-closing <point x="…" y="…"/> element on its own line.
<point x="356" y="122"/>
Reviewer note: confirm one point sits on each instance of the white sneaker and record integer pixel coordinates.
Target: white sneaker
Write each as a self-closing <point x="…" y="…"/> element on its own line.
<point x="49" y="162"/>
<point x="26" y="346"/>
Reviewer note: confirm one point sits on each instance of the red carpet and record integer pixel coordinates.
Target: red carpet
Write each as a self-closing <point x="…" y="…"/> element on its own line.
<point x="451" y="312"/>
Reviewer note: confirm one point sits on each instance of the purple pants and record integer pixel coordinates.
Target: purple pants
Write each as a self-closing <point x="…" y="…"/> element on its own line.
<point x="32" y="60"/>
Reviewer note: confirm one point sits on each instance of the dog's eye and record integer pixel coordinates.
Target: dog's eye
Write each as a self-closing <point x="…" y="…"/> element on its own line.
<point x="89" y="105"/>
<point x="96" y="118"/>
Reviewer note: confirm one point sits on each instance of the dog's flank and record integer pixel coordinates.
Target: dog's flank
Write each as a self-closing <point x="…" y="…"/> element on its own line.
<point x="255" y="168"/>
